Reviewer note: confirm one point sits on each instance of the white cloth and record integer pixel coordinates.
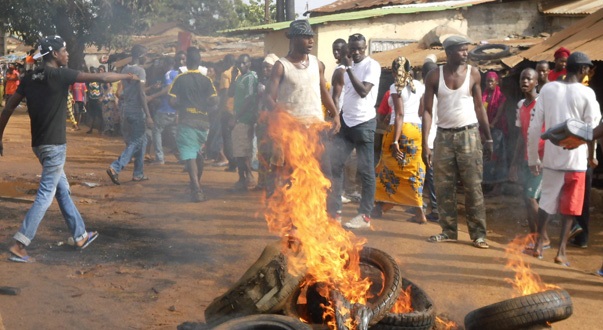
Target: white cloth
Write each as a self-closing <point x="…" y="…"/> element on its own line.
<point x="299" y="91"/>
<point x="358" y="110"/>
<point x="411" y="102"/>
<point x="559" y="101"/>
<point x="455" y="107"/>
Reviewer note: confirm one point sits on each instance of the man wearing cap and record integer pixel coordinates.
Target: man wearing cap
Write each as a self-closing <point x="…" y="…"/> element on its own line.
<point x="137" y="117"/>
<point x="457" y="146"/>
<point x="297" y="85"/>
<point x="563" y="171"/>
<point x="559" y="70"/>
<point x="46" y="90"/>
<point x="358" y="125"/>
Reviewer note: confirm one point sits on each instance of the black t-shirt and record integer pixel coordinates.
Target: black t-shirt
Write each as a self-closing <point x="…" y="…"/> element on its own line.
<point x="46" y="91"/>
<point x="193" y="91"/>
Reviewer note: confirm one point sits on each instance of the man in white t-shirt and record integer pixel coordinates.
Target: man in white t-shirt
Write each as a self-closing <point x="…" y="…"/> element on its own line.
<point x="563" y="171"/>
<point x="358" y="124"/>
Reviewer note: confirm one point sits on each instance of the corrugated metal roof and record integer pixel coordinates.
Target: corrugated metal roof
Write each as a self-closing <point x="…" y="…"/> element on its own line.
<point x="585" y="36"/>
<point x="572" y="8"/>
<point x="360" y="14"/>
<point x="349" y="5"/>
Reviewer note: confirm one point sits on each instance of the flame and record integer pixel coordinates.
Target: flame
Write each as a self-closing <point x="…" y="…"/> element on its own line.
<point x="526" y="281"/>
<point x="441" y="324"/>
<point x="404" y="303"/>
<point x="327" y="253"/>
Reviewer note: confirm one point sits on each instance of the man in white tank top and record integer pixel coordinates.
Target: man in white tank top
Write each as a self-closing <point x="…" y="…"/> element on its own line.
<point x="297" y="85"/>
<point x="457" y="147"/>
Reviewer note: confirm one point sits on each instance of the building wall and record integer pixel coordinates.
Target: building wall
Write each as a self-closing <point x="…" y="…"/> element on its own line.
<point x="276" y="42"/>
<point x="499" y="20"/>
<point x="558" y="23"/>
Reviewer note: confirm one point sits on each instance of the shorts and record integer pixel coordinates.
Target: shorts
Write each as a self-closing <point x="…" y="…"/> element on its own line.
<point x="562" y="192"/>
<point x="242" y="140"/>
<point x="532" y="185"/>
<point x="189" y="141"/>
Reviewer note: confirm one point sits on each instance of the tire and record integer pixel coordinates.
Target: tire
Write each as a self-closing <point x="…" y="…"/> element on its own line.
<point x="263" y="289"/>
<point x="264" y="322"/>
<point x="479" y="54"/>
<point x="421" y="318"/>
<point x="520" y="312"/>
<point x="392" y="285"/>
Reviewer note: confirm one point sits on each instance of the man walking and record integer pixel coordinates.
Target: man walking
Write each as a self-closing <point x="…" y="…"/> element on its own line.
<point x="193" y="95"/>
<point x="358" y="124"/>
<point x="457" y="147"/>
<point x="46" y="91"/>
<point x="563" y="171"/>
<point x="136" y="113"/>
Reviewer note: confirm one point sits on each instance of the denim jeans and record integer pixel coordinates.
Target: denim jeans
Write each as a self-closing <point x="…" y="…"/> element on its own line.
<point x="52" y="184"/>
<point x="362" y="138"/>
<point x="430" y="185"/>
<point x="136" y="144"/>
<point x="163" y="121"/>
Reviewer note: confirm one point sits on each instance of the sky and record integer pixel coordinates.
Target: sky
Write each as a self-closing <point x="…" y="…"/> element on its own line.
<point x="300" y="5"/>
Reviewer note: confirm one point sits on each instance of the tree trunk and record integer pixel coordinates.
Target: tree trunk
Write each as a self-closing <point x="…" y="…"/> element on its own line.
<point x="280" y="11"/>
<point x="267" y="11"/>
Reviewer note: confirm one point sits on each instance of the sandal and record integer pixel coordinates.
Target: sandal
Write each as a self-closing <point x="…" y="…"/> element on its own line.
<point x="140" y="178"/>
<point x="113" y="175"/>
<point x="92" y="235"/>
<point x="480" y="243"/>
<point x="440" y="238"/>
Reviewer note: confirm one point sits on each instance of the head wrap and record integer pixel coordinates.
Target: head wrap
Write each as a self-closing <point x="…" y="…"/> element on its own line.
<point x="562" y="52"/>
<point x="271" y="59"/>
<point x="492" y="74"/>
<point x="402" y="76"/>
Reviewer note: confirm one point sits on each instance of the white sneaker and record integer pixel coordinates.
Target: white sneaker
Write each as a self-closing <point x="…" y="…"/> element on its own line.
<point x="345" y="200"/>
<point x="359" y="221"/>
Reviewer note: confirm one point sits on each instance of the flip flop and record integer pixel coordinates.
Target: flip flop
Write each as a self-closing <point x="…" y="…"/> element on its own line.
<point x="562" y="263"/>
<point x="114" y="177"/>
<point x="92" y="235"/>
<point x="599" y="272"/>
<point x="140" y="178"/>
<point x="23" y="259"/>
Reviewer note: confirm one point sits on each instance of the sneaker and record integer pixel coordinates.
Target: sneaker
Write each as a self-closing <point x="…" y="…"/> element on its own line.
<point x="575" y="243"/>
<point x="345" y="200"/>
<point x="480" y="243"/>
<point x="359" y="221"/>
<point x="576" y="229"/>
<point x="433" y="217"/>
<point x="354" y="197"/>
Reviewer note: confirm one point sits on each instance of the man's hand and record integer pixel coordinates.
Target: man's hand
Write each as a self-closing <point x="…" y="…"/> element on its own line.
<point x="150" y="122"/>
<point x="536" y="170"/>
<point x="488" y="149"/>
<point x="426" y="157"/>
<point x="346" y="61"/>
<point x="513" y="177"/>
<point x="336" y="125"/>
<point x="592" y="162"/>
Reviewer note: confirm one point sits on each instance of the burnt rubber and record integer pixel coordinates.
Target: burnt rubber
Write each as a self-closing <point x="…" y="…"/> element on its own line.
<point x="421" y="318"/>
<point x="479" y="54"/>
<point x="392" y="285"/>
<point x="521" y="312"/>
<point x="264" y="322"/>
<point x="263" y="289"/>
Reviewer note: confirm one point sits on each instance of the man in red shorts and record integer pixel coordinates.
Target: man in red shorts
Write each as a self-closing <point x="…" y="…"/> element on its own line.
<point x="563" y="170"/>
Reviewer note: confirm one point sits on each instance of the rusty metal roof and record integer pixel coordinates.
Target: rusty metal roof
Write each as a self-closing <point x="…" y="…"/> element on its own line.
<point x="585" y="36"/>
<point x="343" y="6"/>
<point x="571" y="8"/>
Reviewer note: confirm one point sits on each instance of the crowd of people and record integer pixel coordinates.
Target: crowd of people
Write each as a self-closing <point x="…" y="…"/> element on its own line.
<point x="436" y="132"/>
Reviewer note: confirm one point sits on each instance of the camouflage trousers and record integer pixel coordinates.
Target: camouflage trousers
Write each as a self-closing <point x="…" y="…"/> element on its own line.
<point x="458" y="155"/>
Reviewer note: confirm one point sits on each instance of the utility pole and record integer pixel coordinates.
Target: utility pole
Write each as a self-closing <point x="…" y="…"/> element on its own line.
<point x="290" y="10"/>
<point x="267" y="11"/>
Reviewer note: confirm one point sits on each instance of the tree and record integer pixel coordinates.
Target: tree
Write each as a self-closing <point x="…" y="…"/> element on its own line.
<point x="78" y="22"/>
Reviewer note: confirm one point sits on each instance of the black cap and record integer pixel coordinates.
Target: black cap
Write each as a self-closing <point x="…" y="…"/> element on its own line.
<point x="579" y="58"/>
<point x="49" y="44"/>
<point x="300" y="27"/>
<point x="455" y="41"/>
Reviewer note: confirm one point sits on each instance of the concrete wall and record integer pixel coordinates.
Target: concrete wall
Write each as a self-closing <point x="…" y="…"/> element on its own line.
<point x="558" y="23"/>
<point x="276" y="42"/>
<point x="499" y="20"/>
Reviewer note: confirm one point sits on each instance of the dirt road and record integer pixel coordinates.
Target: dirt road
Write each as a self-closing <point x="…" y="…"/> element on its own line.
<point x="160" y="260"/>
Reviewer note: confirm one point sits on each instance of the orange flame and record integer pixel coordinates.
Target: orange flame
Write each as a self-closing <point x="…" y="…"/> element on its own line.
<point x="328" y="253"/>
<point x="442" y="324"/>
<point x="526" y="281"/>
<point x="404" y="303"/>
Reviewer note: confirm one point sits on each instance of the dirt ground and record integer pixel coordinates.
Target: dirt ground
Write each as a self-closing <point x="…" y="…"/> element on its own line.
<point x="160" y="260"/>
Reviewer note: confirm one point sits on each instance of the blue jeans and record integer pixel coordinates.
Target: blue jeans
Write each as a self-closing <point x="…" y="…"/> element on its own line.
<point x="362" y="138"/>
<point x="52" y="184"/>
<point x="163" y="121"/>
<point x="430" y="185"/>
<point x="136" y="144"/>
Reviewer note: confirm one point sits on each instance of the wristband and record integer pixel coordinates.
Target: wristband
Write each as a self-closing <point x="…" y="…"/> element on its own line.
<point x="395" y="142"/>
<point x="489" y="141"/>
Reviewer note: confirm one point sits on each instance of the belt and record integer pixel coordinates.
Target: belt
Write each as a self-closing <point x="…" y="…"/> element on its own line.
<point x="458" y="129"/>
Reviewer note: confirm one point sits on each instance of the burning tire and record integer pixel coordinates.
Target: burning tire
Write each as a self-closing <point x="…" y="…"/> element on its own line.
<point x="520" y="312"/>
<point x="264" y="288"/>
<point x="389" y="273"/>
<point x="421" y="318"/>
<point x="264" y="322"/>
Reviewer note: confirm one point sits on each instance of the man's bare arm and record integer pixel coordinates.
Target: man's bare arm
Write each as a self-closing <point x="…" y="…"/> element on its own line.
<point x="363" y="88"/>
<point x="105" y="77"/>
<point x="337" y="86"/>
<point x="273" y="85"/>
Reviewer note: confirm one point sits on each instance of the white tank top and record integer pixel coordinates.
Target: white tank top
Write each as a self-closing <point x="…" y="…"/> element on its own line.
<point x="455" y="107"/>
<point x="299" y="91"/>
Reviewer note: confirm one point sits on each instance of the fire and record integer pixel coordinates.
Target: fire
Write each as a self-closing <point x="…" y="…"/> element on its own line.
<point x="442" y="324"/>
<point x="404" y="303"/>
<point x="526" y="281"/>
<point x="327" y="252"/>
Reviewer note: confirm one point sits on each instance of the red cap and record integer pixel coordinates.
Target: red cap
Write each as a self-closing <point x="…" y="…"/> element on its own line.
<point x="562" y="52"/>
